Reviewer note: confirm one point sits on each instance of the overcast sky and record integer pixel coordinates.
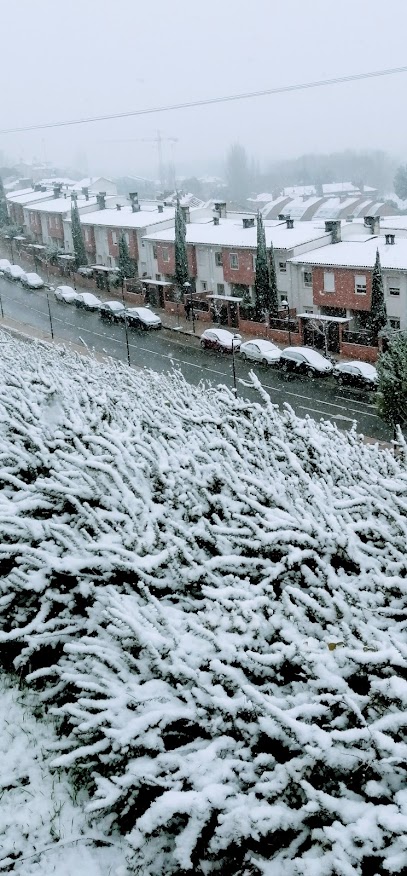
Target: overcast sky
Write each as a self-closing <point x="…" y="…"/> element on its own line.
<point x="89" y="57"/>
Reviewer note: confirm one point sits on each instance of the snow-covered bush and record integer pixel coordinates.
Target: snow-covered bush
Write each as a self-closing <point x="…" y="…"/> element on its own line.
<point x="210" y="595"/>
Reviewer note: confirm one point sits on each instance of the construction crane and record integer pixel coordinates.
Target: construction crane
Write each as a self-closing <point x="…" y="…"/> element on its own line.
<point x="158" y="140"/>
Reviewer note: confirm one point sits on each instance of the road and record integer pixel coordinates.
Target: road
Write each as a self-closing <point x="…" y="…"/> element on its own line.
<point x="163" y="350"/>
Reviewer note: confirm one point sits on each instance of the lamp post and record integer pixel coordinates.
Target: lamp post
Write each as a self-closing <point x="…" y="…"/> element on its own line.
<point x="188" y="288"/>
<point x="235" y="338"/>
<point x="286" y="304"/>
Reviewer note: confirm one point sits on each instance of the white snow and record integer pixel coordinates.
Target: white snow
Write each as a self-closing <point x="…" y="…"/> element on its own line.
<point x="358" y="254"/>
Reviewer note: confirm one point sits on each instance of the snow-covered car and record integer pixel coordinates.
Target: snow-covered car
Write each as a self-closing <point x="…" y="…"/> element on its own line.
<point x="142" y="317"/>
<point x="356" y="374"/>
<point x="112" y="310"/>
<point x="65" y="294"/>
<point x="4" y="263"/>
<point x="14" y="272"/>
<point x="88" y="300"/>
<point x="305" y="360"/>
<point x="260" y="350"/>
<point x="85" y="271"/>
<point x="220" y="339"/>
<point x="32" y="280"/>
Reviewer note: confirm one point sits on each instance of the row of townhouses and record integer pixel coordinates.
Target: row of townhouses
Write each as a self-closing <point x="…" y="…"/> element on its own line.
<point x="324" y="266"/>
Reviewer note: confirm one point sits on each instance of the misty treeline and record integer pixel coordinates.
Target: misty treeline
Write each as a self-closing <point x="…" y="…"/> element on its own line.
<point x="244" y="175"/>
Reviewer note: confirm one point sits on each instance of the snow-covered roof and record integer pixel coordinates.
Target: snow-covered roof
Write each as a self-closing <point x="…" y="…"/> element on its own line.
<point x="299" y="206"/>
<point x="60" y="205"/>
<point x="298" y="191"/>
<point x="125" y="218"/>
<point x="358" y="254"/>
<point x="263" y="197"/>
<point x="332" y="207"/>
<point x="232" y="234"/>
<point x="333" y="188"/>
<point x="28" y="196"/>
<point x="91" y="181"/>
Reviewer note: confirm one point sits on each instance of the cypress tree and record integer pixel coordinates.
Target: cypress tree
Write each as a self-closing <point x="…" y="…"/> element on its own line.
<point x="77" y="236"/>
<point x="124" y="262"/>
<point x="392" y="387"/>
<point x="273" y="303"/>
<point x="378" y="313"/>
<point x="181" y="275"/>
<point x="4" y="217"/>
<point x="262" y="271"/>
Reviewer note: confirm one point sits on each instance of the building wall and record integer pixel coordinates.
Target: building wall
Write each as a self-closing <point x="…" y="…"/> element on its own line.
<point x="32" y="222"/>
<point x="344" y="294"/>
<point x="167" y="268"/>
<point x="244" y="273"/>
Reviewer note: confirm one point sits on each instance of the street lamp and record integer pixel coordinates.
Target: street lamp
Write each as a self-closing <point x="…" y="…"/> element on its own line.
<point x="286" y="304"/>
<point x="188" y="287"/>
<point x="235" y="338"/>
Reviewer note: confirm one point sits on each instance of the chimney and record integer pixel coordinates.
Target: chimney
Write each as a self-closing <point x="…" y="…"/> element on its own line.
<point x="135" y="206"/>
<point x="333" y="226"/>
<point x="372" y="222"/>
<point x="85" y="191"/>
<point x="281" y="217"/>
<point x="390" y="239"/>
<point x="350" y="218"/>
<point x="43" y="188"/>
<point x="101" y="202"/>
<point x="216" y="220"/>
<point x="74" y="197"/>
<point x="118" y="206"/>
<point x="57" y="190"/>
<point x="220" y="207"/>
<point x="37" y="187"/>
<point x="248" y="222"/>
<point x="186" y="214"/>
<point x="290" y="222"/>
<point x="160" y="208"/>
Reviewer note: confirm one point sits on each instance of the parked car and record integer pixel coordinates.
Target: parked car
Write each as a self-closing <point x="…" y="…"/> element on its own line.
<point x="356" y="373"/>
<point x="220" y="339"/>
<point x="4" y="263"/>
<point x="32" y="281"/>
<point x="305" y="360"/>
<point x="88" y="300"/>
<point x="260" y="351"/>
<point x="84" y="271"/>
<point x="112" y="310"/>
<point x="14" y="272"/>
<point x="65" y="294"/>
<point x="142" y="317"/>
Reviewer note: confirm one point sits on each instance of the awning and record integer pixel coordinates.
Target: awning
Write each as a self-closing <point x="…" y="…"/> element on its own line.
<point x="322" y="317"/>
<point x="226" y="298"/>
<point x="155" y="282"/>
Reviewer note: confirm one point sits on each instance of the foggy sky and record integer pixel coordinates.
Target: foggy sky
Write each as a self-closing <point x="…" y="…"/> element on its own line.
<point x="85" y="57"/>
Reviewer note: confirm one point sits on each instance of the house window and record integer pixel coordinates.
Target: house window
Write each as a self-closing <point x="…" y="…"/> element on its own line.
<point x="282" y="267"/>
<point x="394" y="324"/>
<point x="154" y="252"/>
<point x="166" y="255"/>
<point x="308" y="309"/>
<point x="307" y="278"/>
<point x="234" y="261"/>
<point x="394" y="290"/>
<point x="329" y="281"/>
<point x="114" y="236"/>
<point x="218" y="260"/>
<point x="220" y="288"/>
<point x="204" y="285"/>
<point x="158" y="276"/>
<point x="360" y="284"/>
<point x="253" y="262"/>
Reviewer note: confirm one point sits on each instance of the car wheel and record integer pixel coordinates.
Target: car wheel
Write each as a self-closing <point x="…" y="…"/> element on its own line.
<point x="203" y="344"/>
<point x="264" y="362"/>
<point x="243" y="357"/>
<point x="284" y="366"/>
<point x="309" y="372"/>
<point x="340" y="381"/>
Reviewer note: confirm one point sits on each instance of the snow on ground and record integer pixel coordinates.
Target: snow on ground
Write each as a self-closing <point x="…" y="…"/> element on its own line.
<point x="40" y="812"/>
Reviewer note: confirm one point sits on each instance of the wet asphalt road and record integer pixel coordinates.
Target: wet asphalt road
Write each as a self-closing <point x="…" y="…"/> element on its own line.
<point x="320" y="398"/>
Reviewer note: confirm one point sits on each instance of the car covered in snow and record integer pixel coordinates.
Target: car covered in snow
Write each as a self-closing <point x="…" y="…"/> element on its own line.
<point x="305" y="360"/>
<point x="4" y="263"/>
<point x="88" y="300"/>
<point x="65" y="294"/>
<point x="220" y="339"/>
<point x="112" y="310"/>
<point x="142" y="317"/>
<point x="260" y="350"/>
<point x="14" y="272"/>
<point x="32" y="280"/>
<point x="356" y="374"/>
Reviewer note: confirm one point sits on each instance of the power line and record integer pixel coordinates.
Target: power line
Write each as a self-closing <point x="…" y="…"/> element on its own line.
<point x="354" y="77"/>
